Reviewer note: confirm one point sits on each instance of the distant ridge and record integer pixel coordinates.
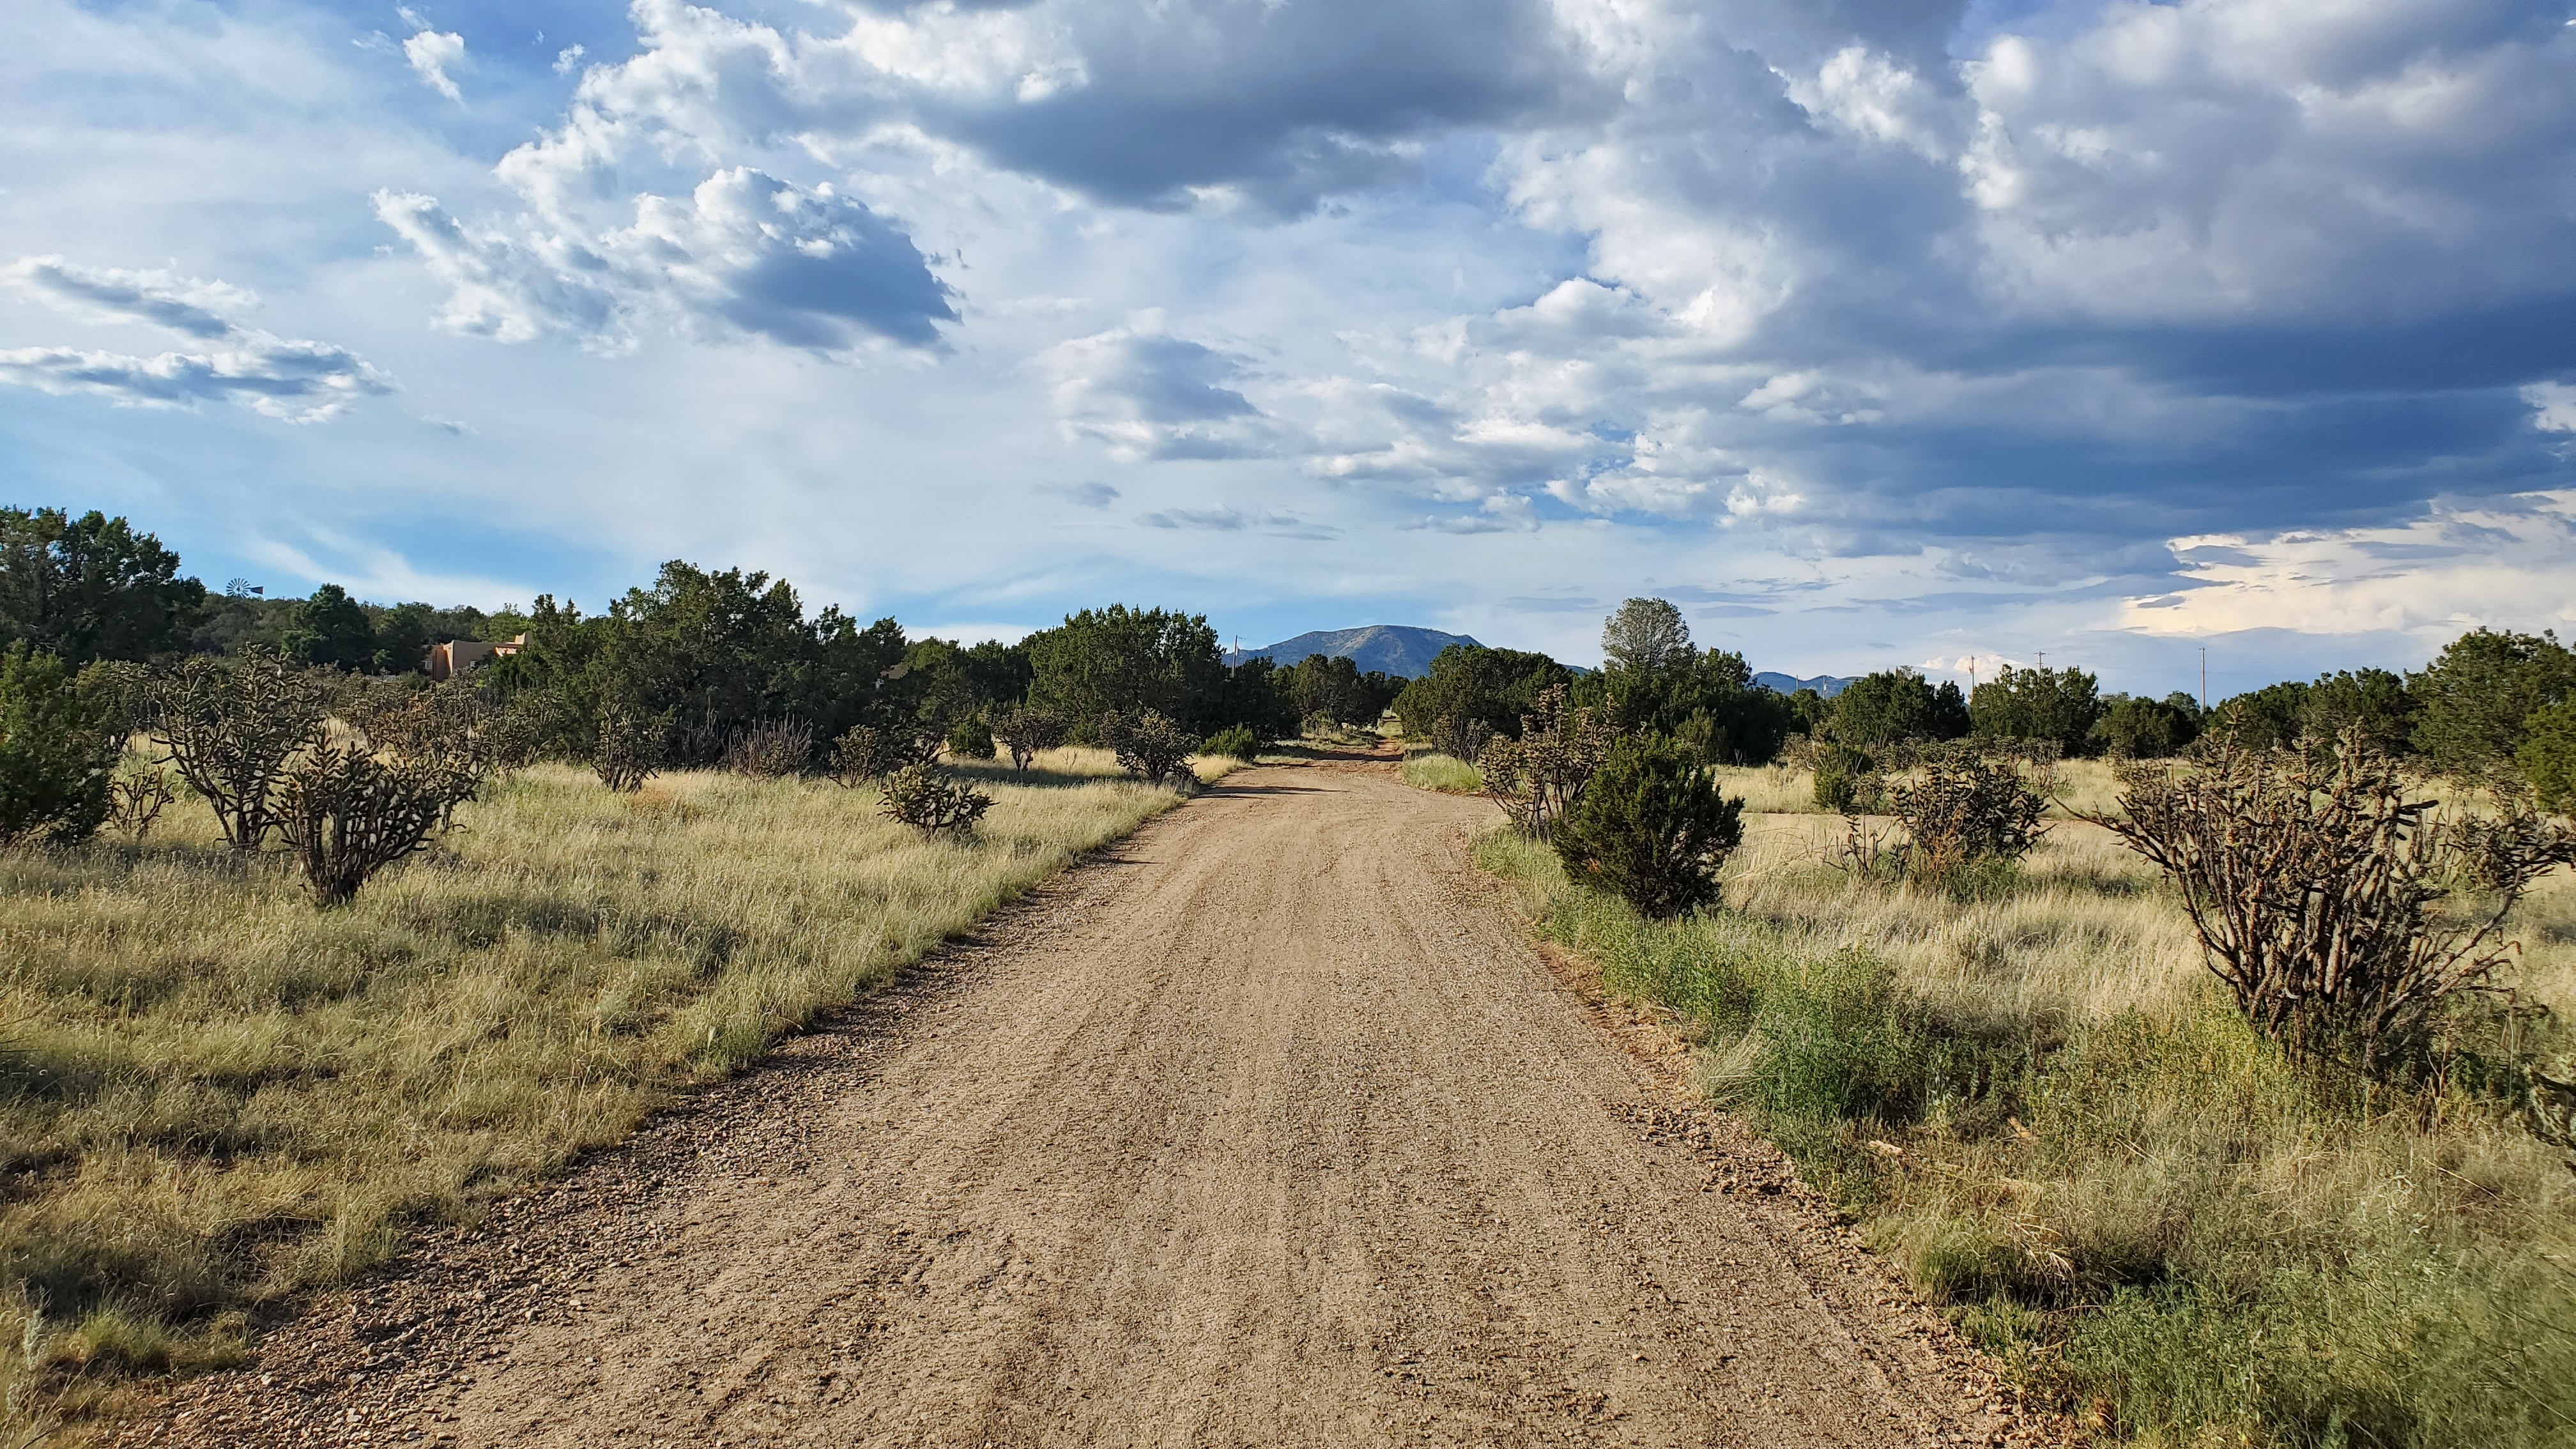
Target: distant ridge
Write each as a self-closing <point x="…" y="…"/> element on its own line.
<point x="1825" y="684"/>
<point x="1398" y="649"/>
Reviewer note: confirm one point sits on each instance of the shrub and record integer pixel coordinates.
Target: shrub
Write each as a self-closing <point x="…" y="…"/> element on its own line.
<point x="347" y="815"/>
<point x="2548" y="756"/>
<point x="59" y="741"/>
<point x="1965" y="812"/>
<point x="447" y="734"/>
<point x="917" y="796"/>
<point x="1650" y="826"/>
<point x="1236" y="741"/>
<point x="1846" y="778"/>
<point x="628" y="753"/>
<point x="971" y="739"/>
<point x="1539" y="777"/>
<point x="1150" y="747"/>
<point x="135" y="798"/>
<point x="1460" y="739"/>
<point x="2315" y="885"/>
<point x="1026" y="732"/>
<point x="770" y="749"/>
<point x="230" y="726"/>
<point x="866" y="752"/>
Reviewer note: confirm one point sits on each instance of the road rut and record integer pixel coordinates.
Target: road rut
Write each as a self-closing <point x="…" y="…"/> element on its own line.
<point x="1269" y="1128"/>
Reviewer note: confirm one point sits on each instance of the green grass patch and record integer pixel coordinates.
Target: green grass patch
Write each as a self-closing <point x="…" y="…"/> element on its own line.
<point x="2145" y="1212"/>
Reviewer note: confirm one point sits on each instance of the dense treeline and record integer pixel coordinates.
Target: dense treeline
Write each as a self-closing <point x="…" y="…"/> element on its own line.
<point x="702" y="655"/>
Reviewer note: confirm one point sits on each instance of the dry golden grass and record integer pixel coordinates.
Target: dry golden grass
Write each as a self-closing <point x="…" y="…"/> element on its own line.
<point x="214" y="1096"/>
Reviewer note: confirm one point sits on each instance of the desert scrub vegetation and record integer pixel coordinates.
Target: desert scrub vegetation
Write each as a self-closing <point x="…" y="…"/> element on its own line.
<point x="2038" y="1102"/>
<point x="217" y="1097"/>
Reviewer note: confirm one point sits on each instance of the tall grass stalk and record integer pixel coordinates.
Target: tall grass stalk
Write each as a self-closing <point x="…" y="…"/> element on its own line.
<point x="214" y="1097"/>
<point x="2034" y="1102"/>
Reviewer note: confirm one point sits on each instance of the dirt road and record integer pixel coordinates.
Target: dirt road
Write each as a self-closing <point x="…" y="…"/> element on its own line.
<point x="1269" y="1130"/>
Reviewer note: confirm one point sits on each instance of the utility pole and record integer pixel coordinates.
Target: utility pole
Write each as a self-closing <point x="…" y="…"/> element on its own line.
<point x="2204" y="679"/>
<point x="2043" y="660"/>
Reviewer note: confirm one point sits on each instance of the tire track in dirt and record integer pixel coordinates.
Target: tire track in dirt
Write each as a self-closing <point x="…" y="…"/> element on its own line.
<point x="1266" y="1128"/>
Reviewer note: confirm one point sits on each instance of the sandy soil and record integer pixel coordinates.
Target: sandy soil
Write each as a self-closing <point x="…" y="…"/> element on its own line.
<point x="1268" y="1128"/>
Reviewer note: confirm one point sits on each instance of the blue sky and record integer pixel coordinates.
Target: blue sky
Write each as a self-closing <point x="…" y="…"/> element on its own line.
<point x="1870" y="332"/>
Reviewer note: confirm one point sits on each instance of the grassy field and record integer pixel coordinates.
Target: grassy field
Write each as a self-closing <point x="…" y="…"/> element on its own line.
<point x="214" y="1097"/>
<point x="2036" y="1103"/>
<point x="1429" y="770"/>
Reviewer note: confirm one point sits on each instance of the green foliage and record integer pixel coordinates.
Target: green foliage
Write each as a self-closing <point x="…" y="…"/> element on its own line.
<point x="1894" y="705"/>
<point x="2159" y="1224"/>
<point x="2038" y="704"/>
<point x="1126" y="662"/>
<point x="1476" y="688"/>
<point x="971" y="739"/>
<point x="91" y="588"/>
<point x="2373" y="701"/>
<point x="1648" y="635"/>
<point x="60" y="736"/>
<point x="917" y="796"/>
<point x="1651" y="828"/>
<point x="2548" y="756"/>
<point x="1846" y="778"/>
<point x="1151" y="746"/>
<point x="1262" y="697"/>
<point x="230" y="725"/>
<point x="331" y="630"/>
<point x="2271" y="718"/>
<point x="2133" y="728"/>
<point x="1332" y="686"/>
<point x="1707" y="702"/>
<point x="2475" y="697"/>
<point x="1235" y="742"/>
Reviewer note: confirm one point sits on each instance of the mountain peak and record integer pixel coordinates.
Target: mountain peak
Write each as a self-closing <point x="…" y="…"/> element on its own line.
<point x="1398" y="649"/>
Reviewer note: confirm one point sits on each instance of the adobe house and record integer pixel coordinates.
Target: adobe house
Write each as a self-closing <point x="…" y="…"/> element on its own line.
<point x="459" y="656"/>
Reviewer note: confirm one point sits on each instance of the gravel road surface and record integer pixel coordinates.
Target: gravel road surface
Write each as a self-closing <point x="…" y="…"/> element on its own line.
<point x="1269" y="1127"/>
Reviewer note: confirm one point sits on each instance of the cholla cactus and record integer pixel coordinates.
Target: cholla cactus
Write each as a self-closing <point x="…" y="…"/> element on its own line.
<point x="347" y="815"/>
<point x="230" y="726"/>
<point x="917" y="796"/>
<point x="1025" y="732"/>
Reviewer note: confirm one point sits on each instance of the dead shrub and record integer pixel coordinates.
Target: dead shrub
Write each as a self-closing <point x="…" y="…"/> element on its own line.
<point x="770" y="749"/>
<point x="230" y="725"/>
<point x="1460" y="739"/>
<point x="2316" y="888"/>
<point x="629" y="752"/>
<point x="347" y="814"/>
<point x="917" y="796"/>
<point x="135" y="798"/>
